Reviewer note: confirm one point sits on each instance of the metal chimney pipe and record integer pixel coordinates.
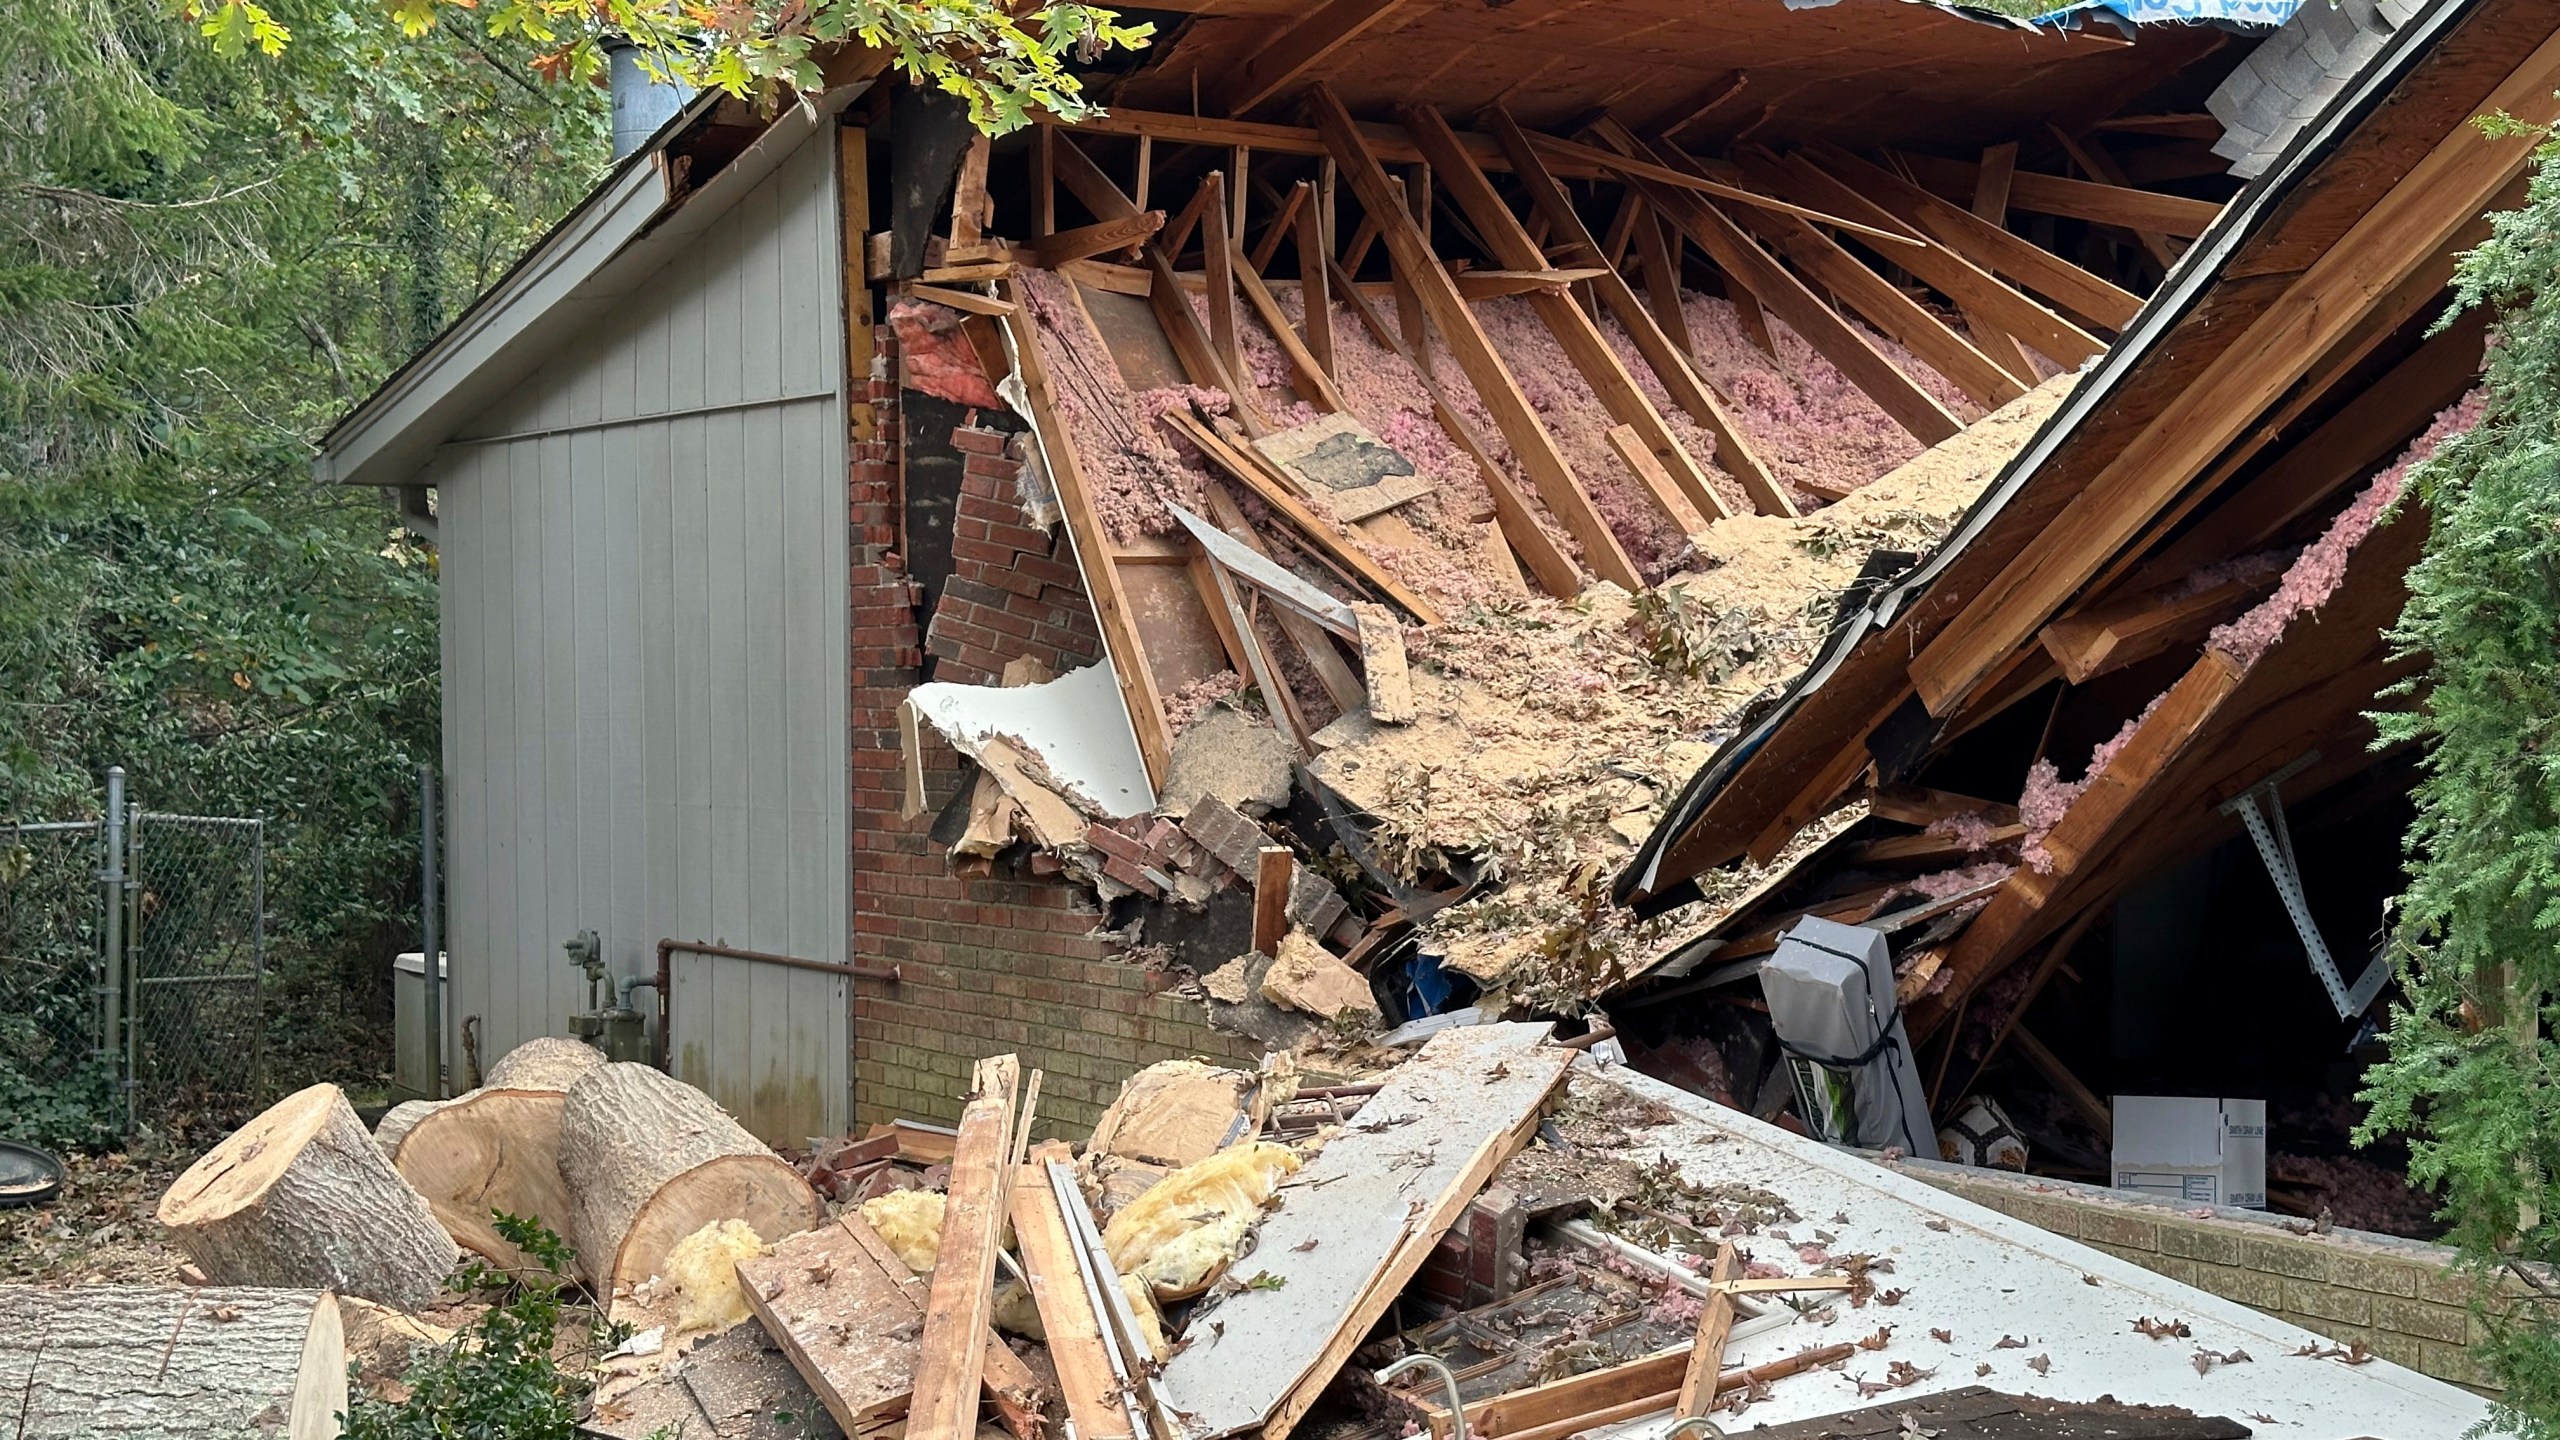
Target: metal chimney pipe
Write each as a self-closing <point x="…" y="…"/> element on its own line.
<point x="641" y="102"/>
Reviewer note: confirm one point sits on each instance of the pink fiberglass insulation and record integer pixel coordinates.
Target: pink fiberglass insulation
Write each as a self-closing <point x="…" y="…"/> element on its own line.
<point x="1972" y="830"/>
<point x="1809" y="423"/>
<point x="1198" y="697"/>
<point x="936" y="358"/>
<point x="1939" y="884"/>
<point x="2315" y="574"/>
<point x="2048" y="796"/>
<point x="1129" y="466"/>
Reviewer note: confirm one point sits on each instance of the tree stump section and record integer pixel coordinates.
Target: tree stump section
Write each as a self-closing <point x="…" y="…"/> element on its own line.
<point x="547" y="1063"/>
<point x="649" y="1160"/>
<point x="300" y="1196"/>
<point x="398" y="1121"/>
<point x="149" y="1362"/>
<point x="491" y="1150"/>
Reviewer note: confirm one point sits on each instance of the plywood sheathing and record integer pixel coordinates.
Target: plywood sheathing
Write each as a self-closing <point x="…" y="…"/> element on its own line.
<point x="1548" y="737"/>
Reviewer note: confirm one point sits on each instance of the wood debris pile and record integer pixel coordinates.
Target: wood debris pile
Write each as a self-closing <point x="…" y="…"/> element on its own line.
<point x="1436" y="560"/>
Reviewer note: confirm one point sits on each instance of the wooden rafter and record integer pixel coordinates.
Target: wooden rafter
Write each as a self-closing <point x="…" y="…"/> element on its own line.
<point x="1671" y="364"/>
<point x="1217" y="266"/>
<point x="1315" y="291"/>
<point x="1572" y="326"/>
<point x="2070" y="199"/>
<point x="1979" y="293"/>
<point x="1991" y="202"/>
<point x="1530" y="442"/>
<point x="1662" y="278"/>
<point x="1309" y="378"/>
<point x="2437" y="199"/>
<point x="1745" y="263"/>
<point x="1282" y="226"/>
<point x="2092" y="158"/>
<point x="1547" y="561"/>
<point x="1986" y="245"/>
<point x="1288" y="56"/>
<point x="1879" y="300"/>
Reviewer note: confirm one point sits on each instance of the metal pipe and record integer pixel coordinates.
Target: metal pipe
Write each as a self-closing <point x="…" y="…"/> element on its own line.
<point x="132" y="965"/>
<point x="430" y="933"/>
<point x="665" y="987"/>
<point x="1456" y="1402"/>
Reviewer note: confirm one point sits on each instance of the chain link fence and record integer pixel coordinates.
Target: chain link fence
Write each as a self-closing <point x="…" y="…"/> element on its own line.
<point x="133" y="951"/>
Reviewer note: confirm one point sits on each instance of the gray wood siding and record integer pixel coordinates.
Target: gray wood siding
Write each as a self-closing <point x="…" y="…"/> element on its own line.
<point x="644" y="605"/>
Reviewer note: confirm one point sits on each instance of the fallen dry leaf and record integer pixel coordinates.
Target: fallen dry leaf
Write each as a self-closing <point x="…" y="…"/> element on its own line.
<point x="1878" y="1340"/>
<point x="2010" y="1342"/>
<point x="1943" y="1337"/>
<point x="2162" y="1329"/>
<point x="2042" y="1364"/>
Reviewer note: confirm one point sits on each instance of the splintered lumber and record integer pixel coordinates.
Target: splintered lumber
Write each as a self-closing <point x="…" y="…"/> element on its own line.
<point x="648" y="1160"/>
<point x="488" y="1151"/>
<point x="1746" y="264"/>
<point x="2430" y="205"/>
<point x="1069" y="1321"/>
<point x="730" y="1386"/>
<point x="1273" y="866"/>
<point x="1335" y="676"/>
<point x="1355" y="1225"/>
<point x="1438" y="297"/>
<point x="1555" y="571"/>
<point x="1657" y="481"/>
<point x="1100" y="238"/>
<point x="845" y="1325"/>
<point x="548" y="1062"/>
<point x="1671" y="361"/>
<point x="153" y="1362"/>
<point x="1382" y="658"/>
<point x="301" y="1196"/>
<point x="952" y="1351"/>
<point x="1715" y="1324"/>
<point x="2112" y="636"/>
<point x="1636" y="1387"/>
<point x="1575" y="331"/>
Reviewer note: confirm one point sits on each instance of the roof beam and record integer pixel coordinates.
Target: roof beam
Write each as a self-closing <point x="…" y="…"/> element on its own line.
<point x="1293" y="52"/>
<point x="1671" y="363"/>
<point x="1572" y="325"/>
<point x="1530" y="442"/>
<point x="1734" y="252"/>
<point x="2070" y="199"/>
<point x="2434" y="201"/>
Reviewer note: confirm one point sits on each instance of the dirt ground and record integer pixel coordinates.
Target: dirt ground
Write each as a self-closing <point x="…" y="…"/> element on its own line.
<point x="99" y="1230"/>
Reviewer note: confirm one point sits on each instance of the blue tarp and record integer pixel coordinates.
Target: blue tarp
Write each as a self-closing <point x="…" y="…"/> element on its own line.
<point x="2162" y="12"/>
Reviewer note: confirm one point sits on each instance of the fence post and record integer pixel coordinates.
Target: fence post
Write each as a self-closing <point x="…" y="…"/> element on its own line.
<point x="431" y="937"/>
<point x="134" y="951"/>
<point x="111" y="890"/>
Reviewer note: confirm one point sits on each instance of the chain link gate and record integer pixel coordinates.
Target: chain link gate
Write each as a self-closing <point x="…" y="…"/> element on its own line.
<point x="135" y="947"/>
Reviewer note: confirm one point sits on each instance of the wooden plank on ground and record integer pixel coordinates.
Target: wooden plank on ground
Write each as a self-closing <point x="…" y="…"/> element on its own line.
<point x="1573" y="327"/>
<point x="1746" y="264"/>
<point x="1355" y="1225"/>
<point x="1715" y="1324"/>
<point x="845" y="1324"/>
<point x="1073" y="1331"/>
<point x="1556" y="483"/>
<point x="1671" y="362"/>
<point x="952" y="1350"/>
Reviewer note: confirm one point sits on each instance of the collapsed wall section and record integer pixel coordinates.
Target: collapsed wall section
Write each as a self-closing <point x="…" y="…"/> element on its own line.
<point x="1008" y="959"/>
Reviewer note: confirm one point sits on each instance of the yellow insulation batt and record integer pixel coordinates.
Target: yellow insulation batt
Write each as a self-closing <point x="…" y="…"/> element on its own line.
<point x="911" y="1222"/>
<point x="1181" y="1233"/>
<point x="704" y="1269"/>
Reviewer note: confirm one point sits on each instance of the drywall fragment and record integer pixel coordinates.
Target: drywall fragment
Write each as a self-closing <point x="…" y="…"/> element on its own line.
<point x="1231" y="757"/>
<point x="1076" y="726"/>
<point x="1306" y="978"/>
<point x="1333" y="452"/>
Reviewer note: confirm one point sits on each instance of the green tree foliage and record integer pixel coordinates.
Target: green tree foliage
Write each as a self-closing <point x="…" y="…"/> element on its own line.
<point x="499" y="1377"/>
<point x="1005" y="64"/>
<point x="2472" y="1075"/>
<point x="202" y="263"/>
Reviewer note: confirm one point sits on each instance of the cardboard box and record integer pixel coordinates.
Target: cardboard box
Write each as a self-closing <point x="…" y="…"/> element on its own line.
<point x="2195" y="1151"/>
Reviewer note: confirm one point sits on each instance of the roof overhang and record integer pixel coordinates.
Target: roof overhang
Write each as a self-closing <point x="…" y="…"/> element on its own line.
<point x="641" y="216"/>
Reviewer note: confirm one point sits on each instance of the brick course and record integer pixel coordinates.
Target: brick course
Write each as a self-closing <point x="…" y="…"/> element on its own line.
<point x="2400" y="1299"/>
<point x="1008" y="960"/>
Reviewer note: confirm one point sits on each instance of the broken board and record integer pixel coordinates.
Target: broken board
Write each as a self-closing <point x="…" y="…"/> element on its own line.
<point x="848" y="1327"/>
<point x="1354" y="1225"/>
<point x="733" y="1386"/>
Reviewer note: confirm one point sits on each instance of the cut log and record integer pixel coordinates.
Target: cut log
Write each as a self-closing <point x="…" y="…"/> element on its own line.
<point x="488" y="1151"/>
<point x="397" y="1122"/>
<point x="648" y="1160"/>
<point x="547" y="1063"/>
<point x="301" y="1197"/>
<point x="149" y="1361"/>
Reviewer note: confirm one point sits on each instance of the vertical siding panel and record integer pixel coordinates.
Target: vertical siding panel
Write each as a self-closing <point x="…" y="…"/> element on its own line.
<point x="529" y="918"/>
<point x="803" y="641"/>
<point x="591" y="773"/>
<point x="660" y="753"/>
<point x="561" y="988"/>
<point x="462" y="606"/>
<point x="628" y="454"/>
<point x="769" y="1059"/>
<point x="732" y="914"/>
<point x="689" y="485"/>
<point x="761" y="303"/>
<point x="618" y="364"/>
<point x="722" y="313"/>
<point x="805" y="199"/>
<point x="687" y="343"/>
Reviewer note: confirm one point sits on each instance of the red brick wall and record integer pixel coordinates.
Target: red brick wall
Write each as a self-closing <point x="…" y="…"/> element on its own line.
<point x="1005" y="962"/>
